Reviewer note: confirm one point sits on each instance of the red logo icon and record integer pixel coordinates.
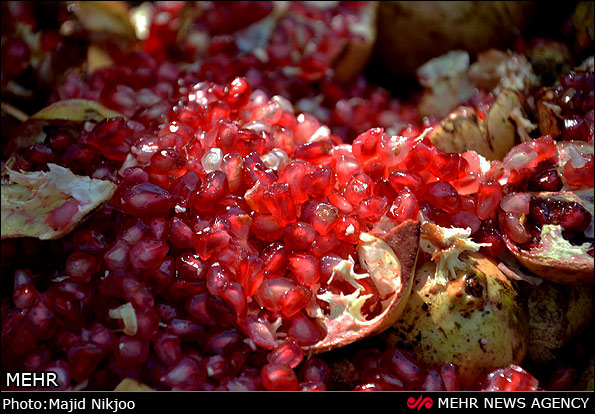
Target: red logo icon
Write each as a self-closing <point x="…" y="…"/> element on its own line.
<point x="420" y="403"/>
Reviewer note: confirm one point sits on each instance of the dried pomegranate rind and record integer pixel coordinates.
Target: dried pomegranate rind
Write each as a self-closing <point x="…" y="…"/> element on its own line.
<point x="390" y="260"/>
<point x="556" y="259"/>
<point x="128" y="384"/>
<point x="73" y="110"/>
<point x="31" y="200"/>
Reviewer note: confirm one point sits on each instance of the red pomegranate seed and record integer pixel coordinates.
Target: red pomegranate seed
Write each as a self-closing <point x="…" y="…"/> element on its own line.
<point x="314" y="370"/>
<point x="131" y="351"/>
<point x="81" y="266"/>
<point x="404" y="207"/>
<point x="358" y="188"/>
<point x="488" y="198"/>
<point x="299" y="235"/>
<point x="404" y="366"/>
<point x="318" y="183"/>
<point x="259" y="331"/>
<point x="83" y="359"/>
<point x="145" y="199"/>
<point x="304" y="331"/>
<point x="288" y="353"/>
<point x="148" y="254"/>
<point x="371" y="209"/>
<point x="213" y="188"/>
<point x="443" y="195"/>
<point x="278" y="378"/>
<point x="277" y="198"/>
<point x="511" y="378"/>
<point x="167" y="347"/>
<point x="305" y="268"/>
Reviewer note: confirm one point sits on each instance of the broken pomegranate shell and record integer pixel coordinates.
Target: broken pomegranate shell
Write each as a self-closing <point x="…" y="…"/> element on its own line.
<point x="390" y="261"/>
<point x="48" y="205"/>
<point x="546" y="251"/>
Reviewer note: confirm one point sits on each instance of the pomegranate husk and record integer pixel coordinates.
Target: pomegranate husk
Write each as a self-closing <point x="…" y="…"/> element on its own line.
<point x="71" y="110"/>
<point x="404" y="241"/>
<point x="544" y="262"/>
<point x="128" y="384"/>
<point x="578" y="271"/>
<point x="357" y="52"/>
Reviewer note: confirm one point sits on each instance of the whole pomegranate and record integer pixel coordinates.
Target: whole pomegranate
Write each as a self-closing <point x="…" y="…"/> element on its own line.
<point x="462" y="311"/>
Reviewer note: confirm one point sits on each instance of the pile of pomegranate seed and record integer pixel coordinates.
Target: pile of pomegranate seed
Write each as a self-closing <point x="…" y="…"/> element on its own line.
<point x="242" y="182"/>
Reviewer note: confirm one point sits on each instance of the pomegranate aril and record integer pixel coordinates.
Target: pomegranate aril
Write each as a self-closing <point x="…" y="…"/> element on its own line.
<point x="213" y="188"/>
<point x="40" y="318"/>
<point x="547" y="180"/>
<point x="278" y="200"/>
<point x="148" y="323"/>
<point x="514" y="228"/>
<point x="83" y="359"/>
<point x="365" y="146"/>
<point x="443" y="195"/>
<point x="408" y="370"/>
<point x="487" y="198"/>
<point x="145" y="199"/>
<point x="314" y="370"/>
<point x="271" y="291"/>
<point x="210" y="310"/>
<point x="304" y="331"/>
<point x="81" y="266"/>
<point x="322" y="218"/>
<point x="223" y="342"/>
<point x="136" y="293"/>
<point x="210" y="241"/>
<point x="131" y="351"/>
<point x="259" y="331"/>
<point x="147" y="254"/>
<point x="316" y="152"/>
<point x="580" y="176"/>
<point x="89" y="240"/>
<point x="404" y="207"/>
<point x="294" y="300"/>
<point x="111" y="137"/>
<point x="318" y="183"/>
<point x="385" y="380"/>
<point x="265" y="227"/>
<point x="299" y="235"/>
<point x="167" y="347"/>
<point x="288" y="353"/>
<point x="575" y="217"/>
<point x="371" y="209"/>
<point x="186" y="374"/>
<point x="278" y="378"/>
<point x="305" y="268"/>
<point x="347" y="229"/>
<point x="510" y="378"/>
<point x="359" y="187"/>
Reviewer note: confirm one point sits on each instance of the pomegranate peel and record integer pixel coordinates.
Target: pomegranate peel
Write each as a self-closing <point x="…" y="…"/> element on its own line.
<point x="390" y="262"/>
<point x="554" y="258"/>
<point x="48" y="205"/>
<point x="128" y="384"/>
<point x="462" y="309"/>
<point x="72" y="110"/>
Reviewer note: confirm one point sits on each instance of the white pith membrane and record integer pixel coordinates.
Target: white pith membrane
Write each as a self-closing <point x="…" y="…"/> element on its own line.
<point x="572" y="152"/>
<point x="344" y="320"/>
<point x="127" y="314"/>
<point x="31" y="199"/>
<point x="445" y="245"/>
